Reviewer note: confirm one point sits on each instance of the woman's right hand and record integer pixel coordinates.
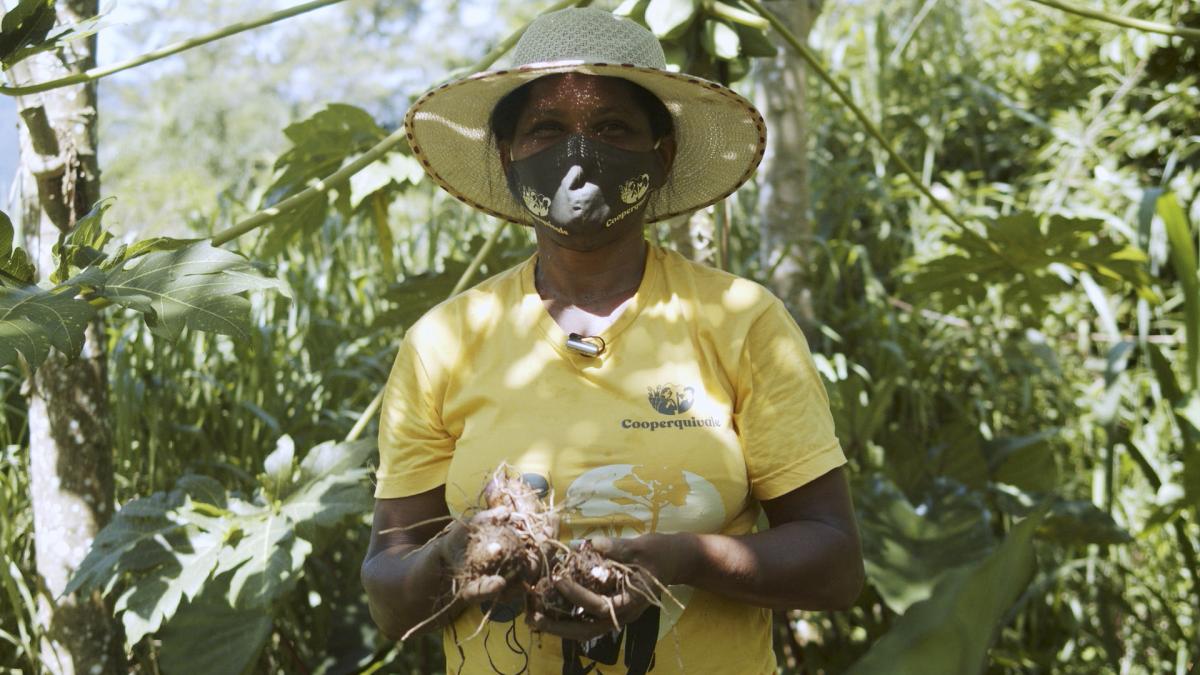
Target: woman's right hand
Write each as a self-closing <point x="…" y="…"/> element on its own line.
<point x="451" y="551"/>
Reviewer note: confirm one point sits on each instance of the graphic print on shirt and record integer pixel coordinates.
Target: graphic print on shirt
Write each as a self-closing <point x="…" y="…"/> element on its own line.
<point x="627" y="500"/>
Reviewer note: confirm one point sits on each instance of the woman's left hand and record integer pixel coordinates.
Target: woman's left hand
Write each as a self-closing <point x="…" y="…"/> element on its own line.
<point x="658" y="560"/>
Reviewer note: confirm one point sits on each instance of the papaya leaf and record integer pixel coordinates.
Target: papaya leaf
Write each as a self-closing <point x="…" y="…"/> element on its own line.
<point x="208" y="636"/>
<point x="32" y="320"/>
<point x="951" y="631"/>
<point x="26" y="24"/>
<point x="57" y="38"/>
<point x="1027" y="262"/>
<point x="157" y="595"/>
<point x="134" y="540"/>
<point x="84" y="244"/>
<point x="128" y="252"/>
<point x="755" y="42"/>
<point x="266" y="561"/>
<point x="633" y="9"/>
<point x="394" y="171"/>
<point x="196" y="286"/>
<point x="319" y="146"/>
<point x="15" y="268"/>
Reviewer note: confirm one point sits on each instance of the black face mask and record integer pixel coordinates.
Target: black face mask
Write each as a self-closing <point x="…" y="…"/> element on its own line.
<point x="585" y="189"/>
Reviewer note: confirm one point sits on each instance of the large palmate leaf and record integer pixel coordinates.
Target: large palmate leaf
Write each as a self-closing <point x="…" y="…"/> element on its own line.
<point x="175" y="546"/>
<point x="949" y="633"/>
<point x="908" y="550"/>
<point x="196" y="286"/>
<point x="208" y="636"/>
<point x="319" y="146"/>
<point x="1025" y="261"/>
<point x="32" y="320"/>
<point x="670" y="18"/>
<point x="15" y="268"/>
<point x="84" y="244"/>
<point x="25" y="25"/>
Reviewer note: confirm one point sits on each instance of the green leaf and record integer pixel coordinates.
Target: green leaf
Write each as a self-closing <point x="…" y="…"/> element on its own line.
<point x="952" y="630"/>
<point x="32" y="320"/>
<point x="670" y="18"/>
<point x="1183" y="259"/>
<point x="15" y="268"/>
<point x="208" y="636"/>
<point x="633" y="9"/>
<point x="394" y="170"/>
<point x="1026" y="462"/>
<point x="128" y="252"/>
<point x="84" y="244"/>
<point x="267" y="560"/>
<point x="907" y="549"/>
<point x="196" y="286"/>
<point x="721" y="40"/>
<point x="156" y="597"/>
<point x="59" y="39"/>
<point x="132" y="541"/>
<point x="320" y="145"/>
<point x="1019" y="258"/>
<point x="755" y="42"/>
<point x="1165" y="374"/>
<point x="26" y="24"/>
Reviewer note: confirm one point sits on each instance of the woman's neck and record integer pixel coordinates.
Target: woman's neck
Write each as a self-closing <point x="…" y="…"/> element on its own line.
<point x="595" y="281"/>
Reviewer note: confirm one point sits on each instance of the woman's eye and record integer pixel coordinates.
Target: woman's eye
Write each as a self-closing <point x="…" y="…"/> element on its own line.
<point x="544" y="128"/>
<point x="613" y="128"/>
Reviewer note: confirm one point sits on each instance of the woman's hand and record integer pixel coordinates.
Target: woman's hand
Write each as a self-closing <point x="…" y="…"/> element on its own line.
<point x="451" y="551"/>
<point x="657" y="560"/>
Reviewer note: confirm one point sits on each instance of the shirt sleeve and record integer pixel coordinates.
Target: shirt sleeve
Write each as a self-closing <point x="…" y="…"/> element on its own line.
<point x="414" y="446"/>
<point x="782" y="413"/>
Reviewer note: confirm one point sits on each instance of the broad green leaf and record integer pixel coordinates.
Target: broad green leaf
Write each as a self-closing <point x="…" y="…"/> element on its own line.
<point x="57" y="39"/>
<point x="394" y="169"/>
<point x="334" y="458"/>
<point x="319" y="146"/>
<point x="1019" y="256"/>
<point x="1183" y="259"/>
<point x="278" y="465"/>
<point x="196" y="286"/>
<point x="949" y="634"/>
<point x="908" y="549"/>
<point x="634" y="9"/>
<point x="208" y="636"/>
<point x="670" y="18"/>
<point x="156" y="597"/>
<point x="134" y="540"/>
<point x="721" y="40"/>
<point x="139" y="248"/>
<point x="32" y="320"/>
<point x="24" y="25"/>
<point x="1026" y="462"/>
<point x="755" y="42"/>
<point x="15" y="268"/>
<point x="266" y="561"/>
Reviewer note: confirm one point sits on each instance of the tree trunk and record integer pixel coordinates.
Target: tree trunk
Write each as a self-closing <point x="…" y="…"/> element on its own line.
<point x="784" y="194"/>
<point x="71" y="466"/>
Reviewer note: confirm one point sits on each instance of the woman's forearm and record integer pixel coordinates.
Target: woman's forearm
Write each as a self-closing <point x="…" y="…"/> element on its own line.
<point x="406" y="586"/>
<point x="804" y="564"/>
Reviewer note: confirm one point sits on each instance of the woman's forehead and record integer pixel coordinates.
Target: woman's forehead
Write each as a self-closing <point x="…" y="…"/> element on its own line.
<point x="567" y="92"/>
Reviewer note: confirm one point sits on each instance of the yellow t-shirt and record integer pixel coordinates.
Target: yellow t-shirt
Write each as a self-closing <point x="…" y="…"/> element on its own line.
<point x="705" y="401"/>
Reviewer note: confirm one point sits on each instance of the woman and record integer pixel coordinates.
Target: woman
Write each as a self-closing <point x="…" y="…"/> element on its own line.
<point x="662" y="402"/>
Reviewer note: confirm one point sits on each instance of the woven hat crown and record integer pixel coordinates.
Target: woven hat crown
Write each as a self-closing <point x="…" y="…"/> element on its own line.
<point x="588" y="35"/>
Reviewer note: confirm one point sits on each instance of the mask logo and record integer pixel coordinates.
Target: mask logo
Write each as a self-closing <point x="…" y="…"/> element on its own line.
<point x="538" y="204"/>
<point x="671" y="399"/>
<point x="634" y="189"/>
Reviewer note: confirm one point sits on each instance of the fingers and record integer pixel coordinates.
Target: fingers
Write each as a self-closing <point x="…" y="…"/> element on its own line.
<point x="580" y="631"/>
<point x="621" y="608"/>
<point x="613" y="549"/>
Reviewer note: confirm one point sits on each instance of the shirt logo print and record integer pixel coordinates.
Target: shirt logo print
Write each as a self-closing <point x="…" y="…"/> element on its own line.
<point x="671" y="399"/>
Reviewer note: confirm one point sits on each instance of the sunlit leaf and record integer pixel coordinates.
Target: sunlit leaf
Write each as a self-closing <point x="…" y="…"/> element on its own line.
<point x="1183" y="259"/>
<point x="208" y="636"/>
<point x="15" y="268"/>
<point x="669" y="18"/>
<point x="196" y="286"/>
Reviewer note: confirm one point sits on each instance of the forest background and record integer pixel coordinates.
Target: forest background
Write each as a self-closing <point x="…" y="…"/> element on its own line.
<point x="984" y="214"/>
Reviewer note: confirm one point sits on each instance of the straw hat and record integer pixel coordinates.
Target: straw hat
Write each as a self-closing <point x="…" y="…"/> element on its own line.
<point x="720" y="136"/>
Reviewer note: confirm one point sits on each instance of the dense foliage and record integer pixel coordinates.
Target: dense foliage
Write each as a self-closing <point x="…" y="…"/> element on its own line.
<point x="1017" y="395"/>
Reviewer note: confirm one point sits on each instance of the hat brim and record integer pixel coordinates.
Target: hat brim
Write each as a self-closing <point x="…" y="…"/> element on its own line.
<point x="720" y="136"/>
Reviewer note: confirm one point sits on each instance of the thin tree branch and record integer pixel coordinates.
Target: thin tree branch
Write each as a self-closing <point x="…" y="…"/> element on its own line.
<point x="322" y="186"/>
<point x="824" y="74"/>
<point x="161" y="53"/>
<point x="1116" y="19"/>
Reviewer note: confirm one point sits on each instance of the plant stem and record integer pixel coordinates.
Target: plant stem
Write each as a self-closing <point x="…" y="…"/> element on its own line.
<point x="1148" y="26"/>
<point x="378" y="150"/>
<point x="163" y="52"/>
<point x="824" y="74"/>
